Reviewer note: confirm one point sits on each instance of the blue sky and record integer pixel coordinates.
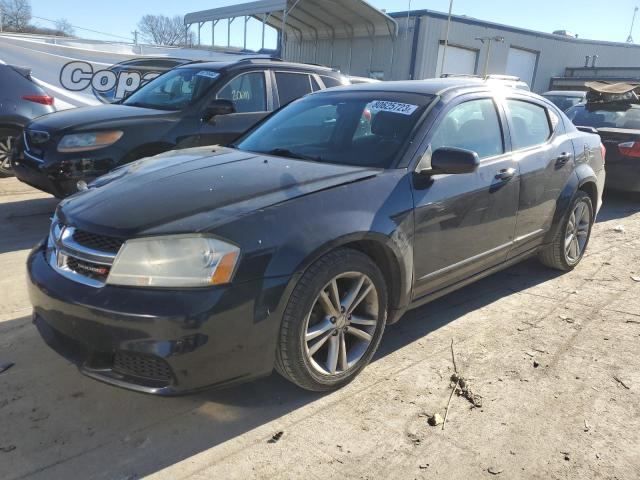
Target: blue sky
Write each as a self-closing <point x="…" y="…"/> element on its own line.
<point x="588" y="18"/>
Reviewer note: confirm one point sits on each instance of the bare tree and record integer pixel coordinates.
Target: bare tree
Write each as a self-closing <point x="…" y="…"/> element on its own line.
<point x="16" y="14"/>
<point x="64" y="27"/>
<point x="162" y="30"/>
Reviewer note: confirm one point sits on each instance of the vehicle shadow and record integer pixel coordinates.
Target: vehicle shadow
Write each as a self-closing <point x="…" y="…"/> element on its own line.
<point x="62" y="423"/>
<point x="618" y="205"/>
<point x="24" y="223"/>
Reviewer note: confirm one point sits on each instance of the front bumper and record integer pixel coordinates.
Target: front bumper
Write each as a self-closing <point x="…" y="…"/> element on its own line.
<point x="58" y="173"/>
<point x="159" y="341"/>
<point x="623" y="174"/>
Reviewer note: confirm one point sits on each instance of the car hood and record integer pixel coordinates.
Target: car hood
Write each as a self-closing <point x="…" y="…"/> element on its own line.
<point x="197" y="189"/>
<point x="85" y="118"/>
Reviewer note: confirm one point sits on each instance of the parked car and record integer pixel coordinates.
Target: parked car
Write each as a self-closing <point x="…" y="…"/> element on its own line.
<point x="298" y="243"/>
<point x="618" y="124"/>
<point x="21" y="100"/>
<point x="565" y="99"/>
<point x="176" y="110"/>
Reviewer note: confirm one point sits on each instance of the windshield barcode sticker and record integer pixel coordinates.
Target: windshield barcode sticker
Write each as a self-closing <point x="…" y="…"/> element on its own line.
<point x="395" y="107"/>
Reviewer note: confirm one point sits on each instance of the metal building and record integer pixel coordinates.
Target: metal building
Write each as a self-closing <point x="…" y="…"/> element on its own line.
<point x="354" y="37"/>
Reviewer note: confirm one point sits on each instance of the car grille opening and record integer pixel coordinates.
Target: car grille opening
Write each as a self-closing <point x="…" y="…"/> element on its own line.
<point x="142" y="366"/>
<point x="97" y="242"/>
<point x="88" y="269"/>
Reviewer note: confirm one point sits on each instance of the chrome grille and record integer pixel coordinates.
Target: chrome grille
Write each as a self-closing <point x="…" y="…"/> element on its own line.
<point x="80" y="261"/>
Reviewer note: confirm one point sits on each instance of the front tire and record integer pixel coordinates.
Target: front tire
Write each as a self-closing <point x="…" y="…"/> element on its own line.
<point x="7" y="137"/>
<point x="333" y="322"/>
<point x="568" y="246"/>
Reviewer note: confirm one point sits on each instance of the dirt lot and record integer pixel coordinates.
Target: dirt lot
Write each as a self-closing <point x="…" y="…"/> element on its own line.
<point x="577" y="415"/>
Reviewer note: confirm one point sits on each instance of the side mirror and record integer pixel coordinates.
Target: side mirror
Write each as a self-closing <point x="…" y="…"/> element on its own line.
<point x="218" y="107"/>
<point x="454" y="161"/>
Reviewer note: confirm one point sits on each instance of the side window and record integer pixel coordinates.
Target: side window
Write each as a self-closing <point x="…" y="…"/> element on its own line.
<point x="292" y="86"/>
<point x="472" y="125"/>
<point x="247" y="91"/>
<point x="330" y="81"/>
<point x="530" y="124"/>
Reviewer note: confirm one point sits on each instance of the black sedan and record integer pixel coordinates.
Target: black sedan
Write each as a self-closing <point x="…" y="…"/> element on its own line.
<point x="21" y="100"/>
<point x="618" y="124"/>
<point x="295" y="246"/>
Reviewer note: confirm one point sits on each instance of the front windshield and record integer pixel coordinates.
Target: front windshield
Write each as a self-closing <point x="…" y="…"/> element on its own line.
<point x="368" y="129"/>
<point x="174" y="90"/>
<point x="620" y="116"/>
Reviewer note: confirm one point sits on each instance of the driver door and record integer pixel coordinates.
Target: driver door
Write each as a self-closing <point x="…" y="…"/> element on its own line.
<point x="248" y="92"/>
<point x="465" y="223"/>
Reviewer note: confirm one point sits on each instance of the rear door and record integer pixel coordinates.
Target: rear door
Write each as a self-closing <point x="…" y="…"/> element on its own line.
<point x="250" y="94"/>
<point x="545" y="156"/>
<point x="465" y="223"/>
<point x="292" y="85"/>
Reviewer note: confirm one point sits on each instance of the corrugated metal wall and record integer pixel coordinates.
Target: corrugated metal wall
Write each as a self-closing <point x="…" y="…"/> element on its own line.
<point x="392" y="58"/>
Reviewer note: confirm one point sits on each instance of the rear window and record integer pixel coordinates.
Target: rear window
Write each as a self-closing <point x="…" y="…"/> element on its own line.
<point x="562" y="101"/>
<point x="330" y="81"/>
<point x="623" y="116"/>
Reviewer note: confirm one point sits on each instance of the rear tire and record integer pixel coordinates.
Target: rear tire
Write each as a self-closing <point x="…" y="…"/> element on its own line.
<point x="324" y="346"/>
<point x="570" y="242"/>
<point x="7" y="137"/>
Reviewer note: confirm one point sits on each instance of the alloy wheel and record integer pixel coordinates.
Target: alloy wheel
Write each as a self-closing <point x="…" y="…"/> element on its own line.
<point x="577" y="233"/>
<point x="341" y="324"/>
<point x="5" y="150"/>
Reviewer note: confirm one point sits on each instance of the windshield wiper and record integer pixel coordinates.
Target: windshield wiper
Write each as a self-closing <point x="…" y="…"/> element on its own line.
<point x="285" y="152"/>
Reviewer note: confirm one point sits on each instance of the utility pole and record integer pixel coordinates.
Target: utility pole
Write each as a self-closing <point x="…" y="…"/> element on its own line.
<point x="446" y="39"/>
<point x="135" y="37"/>
<point x="489" y="41"/>
<point x="633" y="21"/>
<point x="406" y="32"/>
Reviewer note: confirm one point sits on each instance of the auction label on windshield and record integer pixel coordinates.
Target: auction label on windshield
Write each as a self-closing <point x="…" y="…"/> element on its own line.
<point x="208" y="73"/>
<point x="395" y="107"/>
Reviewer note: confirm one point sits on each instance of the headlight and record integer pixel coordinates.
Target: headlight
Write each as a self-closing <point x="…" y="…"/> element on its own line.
<point x="83" y="142"/>
<point x="174" y="261"/>
<point x="54" y="231"/>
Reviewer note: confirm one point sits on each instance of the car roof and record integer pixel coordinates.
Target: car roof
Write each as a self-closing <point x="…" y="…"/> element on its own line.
<point x="433" y="86"/>
<point x="566" y="93"/>
<point x="259" y="62"/>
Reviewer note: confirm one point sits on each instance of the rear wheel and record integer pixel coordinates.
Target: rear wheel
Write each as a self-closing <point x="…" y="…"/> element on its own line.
<point x="334" y="321"/>
<point x="7" y="138"/>
<point x="568" y="247"/>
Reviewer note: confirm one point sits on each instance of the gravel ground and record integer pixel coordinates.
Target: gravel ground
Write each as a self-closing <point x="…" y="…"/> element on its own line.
<point x="575" y="415"/>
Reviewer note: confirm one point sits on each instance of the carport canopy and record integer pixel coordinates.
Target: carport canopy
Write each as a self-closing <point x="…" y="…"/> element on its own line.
<point x="306" y="19"/>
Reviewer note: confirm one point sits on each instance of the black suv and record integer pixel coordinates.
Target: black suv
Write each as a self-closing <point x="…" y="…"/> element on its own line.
<point x="182" y="108"/>
<point x="319" y="227"/>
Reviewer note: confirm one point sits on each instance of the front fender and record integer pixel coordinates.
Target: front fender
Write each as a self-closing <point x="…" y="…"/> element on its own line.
<point x="285" y="239"/>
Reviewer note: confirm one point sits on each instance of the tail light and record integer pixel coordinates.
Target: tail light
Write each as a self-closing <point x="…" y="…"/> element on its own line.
<point x="603" y="149"/>
<point x="630" y="149"/>
<point x="41" y="99"/>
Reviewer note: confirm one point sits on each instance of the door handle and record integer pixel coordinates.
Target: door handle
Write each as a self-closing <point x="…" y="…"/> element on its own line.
<point x="506" y="174"/>
<point x="563" y="159"/>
